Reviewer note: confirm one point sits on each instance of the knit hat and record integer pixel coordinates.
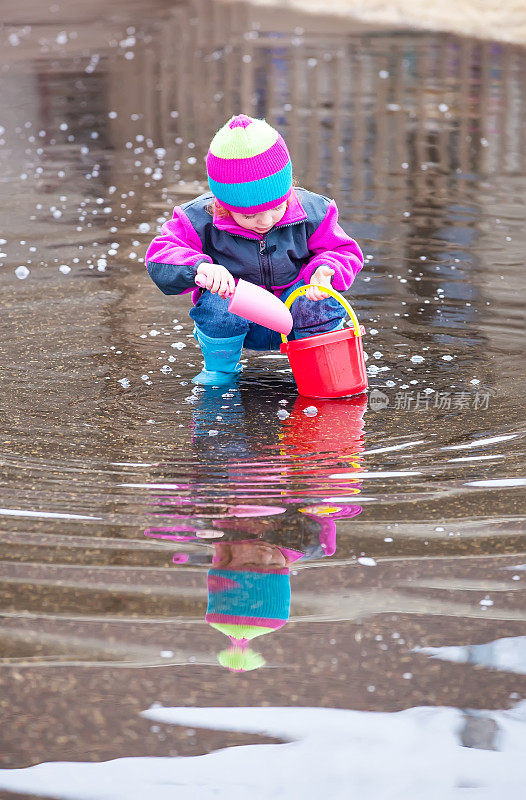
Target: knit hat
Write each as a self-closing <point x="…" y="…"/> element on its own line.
<point x="248" y="165"/>
<point x="244" y="605"/>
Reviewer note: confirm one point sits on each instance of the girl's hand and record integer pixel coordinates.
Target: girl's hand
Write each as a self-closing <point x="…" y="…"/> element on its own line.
<point x="322" y="276"/>
<point x="218" y="279"/>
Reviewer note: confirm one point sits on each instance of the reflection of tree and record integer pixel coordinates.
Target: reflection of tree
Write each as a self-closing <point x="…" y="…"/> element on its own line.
<point x="385" y="124"/>
<point x="352" y="107"/>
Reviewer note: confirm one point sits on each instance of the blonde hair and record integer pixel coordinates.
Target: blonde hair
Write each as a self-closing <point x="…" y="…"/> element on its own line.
<point x="216" y="209"/>
<point x="223" y="555"/>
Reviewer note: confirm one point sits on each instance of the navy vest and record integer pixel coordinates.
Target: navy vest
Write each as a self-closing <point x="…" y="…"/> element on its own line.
<point x="273" y="262"/>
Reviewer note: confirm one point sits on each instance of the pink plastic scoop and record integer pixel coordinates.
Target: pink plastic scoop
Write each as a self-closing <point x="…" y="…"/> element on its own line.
<point x="257" y="305"/>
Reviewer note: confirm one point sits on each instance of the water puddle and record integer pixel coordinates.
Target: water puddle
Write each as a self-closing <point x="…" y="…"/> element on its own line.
<point x="370" y="550"/>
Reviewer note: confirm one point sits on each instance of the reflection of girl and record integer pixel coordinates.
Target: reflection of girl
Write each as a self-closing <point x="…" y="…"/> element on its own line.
<point x="247" y="554"/>
<point x="248" y="596"/>
<point x="311" y="535"/>
<point x="249" y="581"/>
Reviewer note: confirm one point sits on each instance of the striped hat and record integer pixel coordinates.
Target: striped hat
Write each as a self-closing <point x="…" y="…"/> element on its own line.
<point x="248" y="165"/>
<point x="244" y="605"/>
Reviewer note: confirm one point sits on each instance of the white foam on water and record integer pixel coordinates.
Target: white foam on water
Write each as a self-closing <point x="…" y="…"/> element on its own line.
<point x="387" y="474"/>
<point x="16" y="512"/>
<point x="499" y="482"/>
<point x="129" y="464"/>
<point x="150" y="485"/>
<point x="475" y="458"/>
<point x="481" y="442"/>
<point x="354" y="498"/>
<point x="393" y="447"/>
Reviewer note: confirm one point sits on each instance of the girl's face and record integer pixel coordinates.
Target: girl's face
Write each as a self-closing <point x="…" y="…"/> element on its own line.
<point x="261" y="222"/>
<point x="244" y="555"/>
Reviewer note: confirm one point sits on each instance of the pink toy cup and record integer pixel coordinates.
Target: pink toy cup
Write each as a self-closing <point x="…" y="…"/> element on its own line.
<point x="257" y="305"/>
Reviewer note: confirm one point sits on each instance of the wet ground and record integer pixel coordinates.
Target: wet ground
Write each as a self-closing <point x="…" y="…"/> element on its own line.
<point x="121" y="481"/>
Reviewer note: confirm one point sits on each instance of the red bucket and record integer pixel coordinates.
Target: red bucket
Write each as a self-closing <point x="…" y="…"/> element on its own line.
<point x="328" y="364"/>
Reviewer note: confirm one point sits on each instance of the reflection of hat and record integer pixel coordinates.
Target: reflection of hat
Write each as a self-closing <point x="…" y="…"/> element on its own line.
<point x="244" y="605"/>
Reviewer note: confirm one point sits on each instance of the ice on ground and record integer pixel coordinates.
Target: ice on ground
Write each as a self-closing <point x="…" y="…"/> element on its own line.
<point x="508" y="654"/>
<point x="327" y="752"/>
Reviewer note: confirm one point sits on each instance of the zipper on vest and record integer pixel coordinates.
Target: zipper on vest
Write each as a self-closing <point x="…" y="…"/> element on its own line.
<point x="290" y="224"/>
<point x="276" y="227"/>
<point x="265" y="265"/>
<point x="240" y="236"/>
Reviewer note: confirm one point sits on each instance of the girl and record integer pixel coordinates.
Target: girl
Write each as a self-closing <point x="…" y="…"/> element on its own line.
<point x="253" y="225"/>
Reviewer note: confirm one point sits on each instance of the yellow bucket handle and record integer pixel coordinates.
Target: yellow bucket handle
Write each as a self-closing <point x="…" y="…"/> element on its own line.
<point x="333" y="293"/>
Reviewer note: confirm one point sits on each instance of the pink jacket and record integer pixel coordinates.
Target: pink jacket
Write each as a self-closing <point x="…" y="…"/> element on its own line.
<point x="308" y="236"/>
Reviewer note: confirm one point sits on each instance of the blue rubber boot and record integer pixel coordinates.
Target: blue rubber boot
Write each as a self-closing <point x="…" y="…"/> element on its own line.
<point x="221" y="358"/>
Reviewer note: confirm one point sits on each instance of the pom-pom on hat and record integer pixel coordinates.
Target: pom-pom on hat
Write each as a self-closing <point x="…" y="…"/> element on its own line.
<point x="248" y="165"/>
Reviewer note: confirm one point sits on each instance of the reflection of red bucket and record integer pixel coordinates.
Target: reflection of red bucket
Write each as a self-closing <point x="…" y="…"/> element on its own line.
<point x="328" y="364"/>
<point x="337" y="428"/>
<point x="315" y="445"/>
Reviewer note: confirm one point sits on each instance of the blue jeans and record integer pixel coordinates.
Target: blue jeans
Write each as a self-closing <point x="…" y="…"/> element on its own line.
<point x="211" y="315"/>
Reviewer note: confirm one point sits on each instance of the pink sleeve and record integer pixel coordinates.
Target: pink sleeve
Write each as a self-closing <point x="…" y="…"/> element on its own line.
<point x="327" y="535"/>
<point x="178" y="243"/>
<point x="177" y="533"/>
<point x="333" y="247"/>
